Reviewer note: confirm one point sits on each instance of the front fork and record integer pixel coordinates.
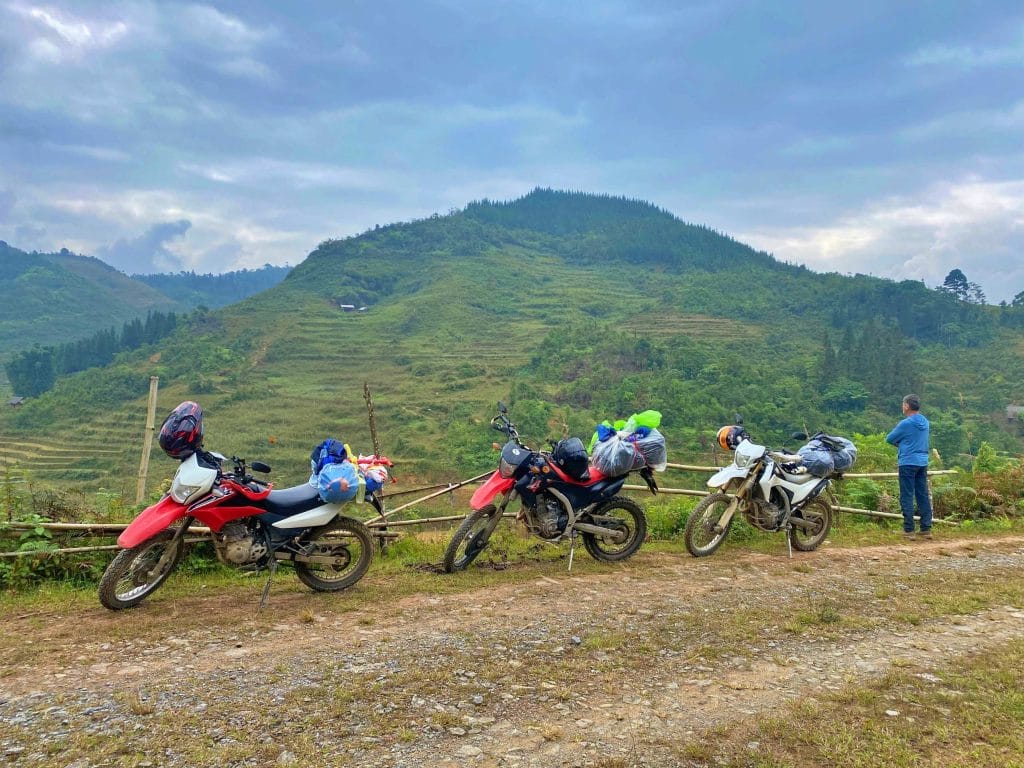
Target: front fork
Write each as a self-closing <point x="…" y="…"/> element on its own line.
<point x="172" y="546"/>
<point x="740" y="496"/>
<point x="499" y="512"/>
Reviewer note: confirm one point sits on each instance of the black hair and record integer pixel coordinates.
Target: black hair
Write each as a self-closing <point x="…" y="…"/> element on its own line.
<point x="913" y="402"/>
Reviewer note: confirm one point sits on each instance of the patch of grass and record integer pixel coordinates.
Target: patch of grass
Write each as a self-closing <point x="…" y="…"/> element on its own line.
<point x="602" y="641"/>
<point x="968" y="714"/>
<point x="822" y="614"/>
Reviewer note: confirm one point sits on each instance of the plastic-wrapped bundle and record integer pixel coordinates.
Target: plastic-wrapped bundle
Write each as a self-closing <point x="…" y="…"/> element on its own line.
<point x="338" y="482"/>
<point x="817" y="458"/>
<point x="375" y="476"/>
<point x="845" y="457"/>
<point x="652" y="446"/>
<point x="622" y="453"/>
<point x="615" y="456"/>
<point x="826" y="454"/>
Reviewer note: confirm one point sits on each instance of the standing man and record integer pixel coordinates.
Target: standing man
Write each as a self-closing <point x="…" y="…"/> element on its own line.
<point x="910" y="437"/>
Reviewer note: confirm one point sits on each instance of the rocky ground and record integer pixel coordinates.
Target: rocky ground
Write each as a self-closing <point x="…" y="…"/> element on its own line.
<point x="629" y="665"/>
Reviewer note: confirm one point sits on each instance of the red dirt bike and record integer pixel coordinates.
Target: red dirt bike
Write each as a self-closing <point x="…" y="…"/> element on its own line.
<point x="555" y="504"/>
<point x="252" y="526"/>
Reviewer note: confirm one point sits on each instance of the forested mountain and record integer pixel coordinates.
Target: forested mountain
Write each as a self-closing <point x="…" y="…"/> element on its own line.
<point x="52" y="298"/>
<point x="191" y="290"/>
<point x="573" y="308"/>
<point x="57" y="299"/>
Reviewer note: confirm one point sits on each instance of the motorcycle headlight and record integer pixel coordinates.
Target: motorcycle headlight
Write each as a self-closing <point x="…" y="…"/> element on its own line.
<point x="505" y="469"/>
<point x="742" y="460"/>
<point x="181" y="493"/>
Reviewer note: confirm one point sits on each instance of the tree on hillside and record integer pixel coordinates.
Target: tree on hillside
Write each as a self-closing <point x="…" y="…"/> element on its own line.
<point x="974" y="294"/>
<point x="956" y="284"/>
<point x="1018" y="300"/>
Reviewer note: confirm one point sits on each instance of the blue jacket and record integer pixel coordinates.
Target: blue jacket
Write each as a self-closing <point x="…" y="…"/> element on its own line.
<point x="910" y="437"/>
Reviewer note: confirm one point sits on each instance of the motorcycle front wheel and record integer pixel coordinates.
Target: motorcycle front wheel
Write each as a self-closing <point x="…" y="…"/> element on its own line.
<point x="817" y="512"/>
<point x="623" y="515"/>
<point x="701" y="537"/>
<point x="470" y="540"/>
<point x="135" y="573"/>
<point x="348" y="544"/>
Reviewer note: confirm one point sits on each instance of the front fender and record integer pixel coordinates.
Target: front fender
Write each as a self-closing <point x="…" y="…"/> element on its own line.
<point x="726" y="474"/>
<point x="484" y="495"/>
<point x="152" y="520"/>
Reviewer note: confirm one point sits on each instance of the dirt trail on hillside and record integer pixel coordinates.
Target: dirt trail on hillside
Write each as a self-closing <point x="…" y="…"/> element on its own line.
<point x="614" y="668"/>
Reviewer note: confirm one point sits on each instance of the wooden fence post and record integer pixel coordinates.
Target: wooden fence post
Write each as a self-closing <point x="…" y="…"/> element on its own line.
<point x="147" y="441"/>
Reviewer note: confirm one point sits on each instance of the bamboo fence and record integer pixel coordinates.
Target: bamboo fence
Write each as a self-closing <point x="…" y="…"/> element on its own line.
<point x="381" y="522"/>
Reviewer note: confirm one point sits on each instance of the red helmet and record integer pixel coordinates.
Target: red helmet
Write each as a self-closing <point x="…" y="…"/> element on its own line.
<point x="182" y="432"/>
<point x="730" y="436"/>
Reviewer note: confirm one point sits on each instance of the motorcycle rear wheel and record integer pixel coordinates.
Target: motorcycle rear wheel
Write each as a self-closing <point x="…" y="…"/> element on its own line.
<point x="326" y="541"/>
<point x="131" y="577"/>
<point x="629" y="517"/>
<point x="471" y="537"/>
<point x="819" y="512"/>
<point x="700" y="537"/>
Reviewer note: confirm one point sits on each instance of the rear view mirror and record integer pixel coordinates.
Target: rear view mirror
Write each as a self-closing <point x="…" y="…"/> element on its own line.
<point x="502" y="408"/>
<point x="259" y="466"/>
<point x="799" y="436"/>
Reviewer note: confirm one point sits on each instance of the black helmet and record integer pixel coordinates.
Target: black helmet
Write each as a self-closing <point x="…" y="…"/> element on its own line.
<point x="182" y="432"/>
<point x="571" y="457"/>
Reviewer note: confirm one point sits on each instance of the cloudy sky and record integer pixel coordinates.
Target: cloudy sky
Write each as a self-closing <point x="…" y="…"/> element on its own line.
<point x="876" y="137"/>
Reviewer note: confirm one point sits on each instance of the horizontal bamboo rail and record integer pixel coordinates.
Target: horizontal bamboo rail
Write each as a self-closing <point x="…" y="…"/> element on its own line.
<point x="891" y="515"/>
<point x="846" y="475"/>
<point x="75" y="550"/>
<point x="382" y="521"/>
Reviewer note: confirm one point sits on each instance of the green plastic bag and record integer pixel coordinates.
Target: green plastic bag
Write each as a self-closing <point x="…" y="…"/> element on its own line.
<point x="649" y="419"/>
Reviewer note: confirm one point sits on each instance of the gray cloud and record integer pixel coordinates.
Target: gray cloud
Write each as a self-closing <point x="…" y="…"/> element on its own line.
<point x="148" y="253"/>
<point x="7" y="201"/>
<point x="974" y="225"/>
<point x="29" y="237"/>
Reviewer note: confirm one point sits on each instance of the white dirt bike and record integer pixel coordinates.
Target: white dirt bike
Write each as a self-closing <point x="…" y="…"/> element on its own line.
<point x="771" y="489"/>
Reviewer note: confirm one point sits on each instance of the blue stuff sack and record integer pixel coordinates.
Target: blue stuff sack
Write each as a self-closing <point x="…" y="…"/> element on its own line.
<point x="846" y="455"/>
<point x="817" y="458"/>
<point x="330" y="451"/>
<point x="337" y="483"/>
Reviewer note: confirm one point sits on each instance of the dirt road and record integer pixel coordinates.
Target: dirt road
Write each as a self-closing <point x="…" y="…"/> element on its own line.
<point x="626" y="666"/>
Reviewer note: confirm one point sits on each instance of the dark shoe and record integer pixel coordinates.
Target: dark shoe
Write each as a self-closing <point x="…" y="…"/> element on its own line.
<point x="925" y="534"/>
<point x="909" y="535"/>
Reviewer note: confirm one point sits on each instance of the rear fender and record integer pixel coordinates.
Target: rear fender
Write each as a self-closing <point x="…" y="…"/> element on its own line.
<point x="485" y="494"/>
<point x="152" y="520"/>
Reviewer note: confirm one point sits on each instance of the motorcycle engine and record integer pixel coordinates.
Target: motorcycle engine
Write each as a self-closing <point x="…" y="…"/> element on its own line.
<point x="550" y="517"/>
<point x="764" y="515"/>
<point x="239" y="544"/>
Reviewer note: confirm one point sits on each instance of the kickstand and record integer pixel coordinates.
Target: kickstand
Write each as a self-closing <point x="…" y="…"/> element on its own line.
<point x="789" y="541"/>
<point x="266" y="588"/>
<point x="572" y="547"/>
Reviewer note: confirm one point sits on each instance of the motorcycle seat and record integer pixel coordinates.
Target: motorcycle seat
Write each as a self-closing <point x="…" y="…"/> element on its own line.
<point x="799" y="477"/>
<point x="291" y="501"/>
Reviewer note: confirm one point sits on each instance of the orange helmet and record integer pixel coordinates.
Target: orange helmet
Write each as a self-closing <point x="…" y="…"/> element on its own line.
<point x="730" y="436"/>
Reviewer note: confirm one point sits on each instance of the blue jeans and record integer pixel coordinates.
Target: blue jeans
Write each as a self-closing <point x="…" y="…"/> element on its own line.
<point x="914" y="485"/>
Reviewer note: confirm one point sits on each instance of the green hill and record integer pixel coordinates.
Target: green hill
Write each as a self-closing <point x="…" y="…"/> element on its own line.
<point x="52" y="298"/>
<point x="572" y="307"/>
<point x="191" y="290"/>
